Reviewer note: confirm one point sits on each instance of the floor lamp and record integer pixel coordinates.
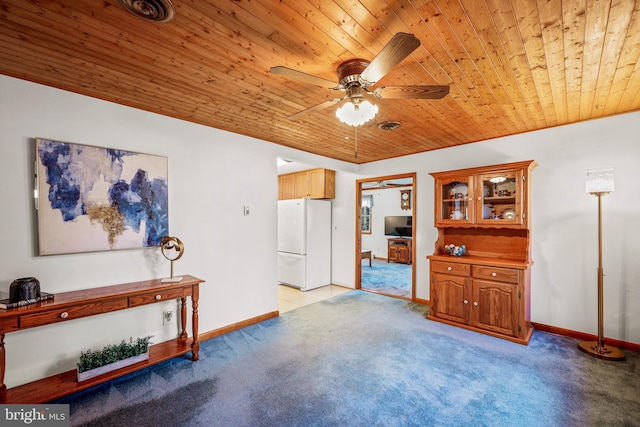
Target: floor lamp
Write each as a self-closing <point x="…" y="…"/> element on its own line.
<point x="600" y="182"/>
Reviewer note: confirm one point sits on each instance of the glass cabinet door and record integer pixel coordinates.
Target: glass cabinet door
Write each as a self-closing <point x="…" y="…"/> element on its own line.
<point x="498" y="196"/>
<point x="454" y="201"/>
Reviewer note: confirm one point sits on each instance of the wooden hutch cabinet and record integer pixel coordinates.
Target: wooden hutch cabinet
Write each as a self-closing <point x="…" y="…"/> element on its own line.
<point x="399" y="250"/>
<point x="313" y="183"/>
<point x="488" y="288"/>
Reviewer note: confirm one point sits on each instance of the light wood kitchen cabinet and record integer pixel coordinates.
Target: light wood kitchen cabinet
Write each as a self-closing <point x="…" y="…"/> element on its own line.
<point x="286" y="187"/>
<point x="301" y="185"/>
<point x="487" y="289"/>
<point x="313" y="183"/>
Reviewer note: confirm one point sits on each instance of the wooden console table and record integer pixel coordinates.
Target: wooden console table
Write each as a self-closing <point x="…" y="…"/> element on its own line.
<point x="68" y="306"/>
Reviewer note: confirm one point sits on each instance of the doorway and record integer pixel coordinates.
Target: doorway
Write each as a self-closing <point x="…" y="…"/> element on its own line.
<point x="385" y="235"/>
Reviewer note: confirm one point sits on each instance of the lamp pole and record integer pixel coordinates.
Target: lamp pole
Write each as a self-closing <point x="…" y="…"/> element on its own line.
<point x="599" y="349"/>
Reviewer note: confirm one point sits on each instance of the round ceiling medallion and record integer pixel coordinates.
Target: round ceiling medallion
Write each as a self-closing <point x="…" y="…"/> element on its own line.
<point x="150" y="10"/>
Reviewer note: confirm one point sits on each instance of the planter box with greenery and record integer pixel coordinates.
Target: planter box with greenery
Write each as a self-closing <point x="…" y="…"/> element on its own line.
<point x="112" y="357"/>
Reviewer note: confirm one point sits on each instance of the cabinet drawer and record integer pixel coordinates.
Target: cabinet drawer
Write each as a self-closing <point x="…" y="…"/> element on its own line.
<point x="450" y="268"/>
<point x="59" y="315"/>
<point x="152" y="297"/>
<point x="508" y="275"/>
<point x="115" y="304"/>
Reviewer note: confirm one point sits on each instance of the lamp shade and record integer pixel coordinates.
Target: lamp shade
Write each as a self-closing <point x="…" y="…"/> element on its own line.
<point x="356" y="114"/>
<point x="599" y="180"/>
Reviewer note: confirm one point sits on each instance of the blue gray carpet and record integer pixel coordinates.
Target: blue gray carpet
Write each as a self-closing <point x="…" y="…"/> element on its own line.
<point x="362" y="359"/>
<point x="387" y="277"/>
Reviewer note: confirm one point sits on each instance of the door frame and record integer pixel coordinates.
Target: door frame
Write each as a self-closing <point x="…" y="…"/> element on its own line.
<point x="358" y="254"/>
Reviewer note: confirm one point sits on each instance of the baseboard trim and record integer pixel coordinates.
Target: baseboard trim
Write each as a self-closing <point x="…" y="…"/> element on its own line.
<point x="422" y="301"/>
<point x="582" y="336"/>
<point x="235" y="326"/>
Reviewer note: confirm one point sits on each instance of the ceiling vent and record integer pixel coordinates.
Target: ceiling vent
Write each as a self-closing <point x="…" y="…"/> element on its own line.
<point x="389" y="125"/>
<point x="150" y="10"/>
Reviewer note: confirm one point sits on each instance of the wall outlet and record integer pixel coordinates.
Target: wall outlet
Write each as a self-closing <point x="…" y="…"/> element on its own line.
<point x="246" y="210"/>
<point x="167" y="315"/>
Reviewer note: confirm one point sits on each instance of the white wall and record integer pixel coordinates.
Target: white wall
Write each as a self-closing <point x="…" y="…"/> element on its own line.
<point x="212" y="175"/>
<point x="344" y="257"/>
<point x="564" y="225"/>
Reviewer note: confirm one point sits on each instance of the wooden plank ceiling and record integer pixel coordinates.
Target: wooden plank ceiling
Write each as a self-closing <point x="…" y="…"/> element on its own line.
<point x="512" y="65"/>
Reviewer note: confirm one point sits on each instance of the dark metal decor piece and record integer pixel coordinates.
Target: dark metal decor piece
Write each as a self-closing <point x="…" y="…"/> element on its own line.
<point x="23" y="289"/>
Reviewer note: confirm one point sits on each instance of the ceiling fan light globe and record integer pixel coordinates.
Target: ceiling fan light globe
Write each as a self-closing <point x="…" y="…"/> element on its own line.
<point x="356" y="115"/>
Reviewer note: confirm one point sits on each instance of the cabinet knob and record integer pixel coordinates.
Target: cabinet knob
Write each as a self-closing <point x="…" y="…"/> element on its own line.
<point x="449" y="268"/>
<point x="479" y="198"/>
<point x="64" y="315"/>
<point x="475" y="303"/>
<point x="158" y="297"/>
<point x="494" y="274"/>
<point x="466" y="301"/>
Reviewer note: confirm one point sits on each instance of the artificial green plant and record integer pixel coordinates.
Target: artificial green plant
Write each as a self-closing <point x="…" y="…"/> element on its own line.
<point x="112" y="353"/>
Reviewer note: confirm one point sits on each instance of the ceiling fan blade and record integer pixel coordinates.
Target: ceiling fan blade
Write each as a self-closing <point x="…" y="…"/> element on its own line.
<point x="398" y="48"/>
<point x="373" y="185"/>
<point x="386" y="184"/>
<point x="412" y="91"/>
<point x="304" y="77"/>
<point x="318" y="107"/>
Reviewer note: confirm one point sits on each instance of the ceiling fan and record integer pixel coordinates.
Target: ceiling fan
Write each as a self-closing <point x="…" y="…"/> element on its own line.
<point x="383" y="184"/>
<point x="357" y="76"/>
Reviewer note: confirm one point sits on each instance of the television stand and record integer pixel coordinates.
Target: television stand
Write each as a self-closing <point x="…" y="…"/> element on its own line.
<point x="399" y="250"/>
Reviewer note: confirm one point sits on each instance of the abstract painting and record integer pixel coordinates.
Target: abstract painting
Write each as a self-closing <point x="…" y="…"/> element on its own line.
<point x="99" y="199"/>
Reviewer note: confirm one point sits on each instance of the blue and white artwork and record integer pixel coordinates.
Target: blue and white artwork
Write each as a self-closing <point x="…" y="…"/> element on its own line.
<point x="95" y="199"/>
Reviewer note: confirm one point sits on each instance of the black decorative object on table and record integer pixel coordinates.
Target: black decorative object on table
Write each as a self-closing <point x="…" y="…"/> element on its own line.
<point x="24" y="291"/>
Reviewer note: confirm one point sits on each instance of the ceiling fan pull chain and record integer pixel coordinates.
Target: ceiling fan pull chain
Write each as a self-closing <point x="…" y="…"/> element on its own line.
<point x="356" y="131"/>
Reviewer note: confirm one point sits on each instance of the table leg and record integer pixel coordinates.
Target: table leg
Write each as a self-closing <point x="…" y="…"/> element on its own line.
<point x="3" y="386"/>
<point x="183" y="318"/>
<point x="195" y="347"/>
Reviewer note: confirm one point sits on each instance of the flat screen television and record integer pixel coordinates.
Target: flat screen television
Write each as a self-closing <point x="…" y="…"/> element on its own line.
<point x="398" y="226"/>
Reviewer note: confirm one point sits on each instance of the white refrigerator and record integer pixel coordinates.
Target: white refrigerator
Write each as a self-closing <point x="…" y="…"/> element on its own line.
<point x="304" y="243"/>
